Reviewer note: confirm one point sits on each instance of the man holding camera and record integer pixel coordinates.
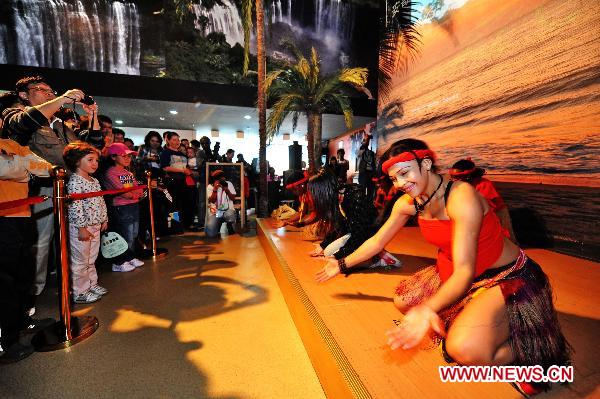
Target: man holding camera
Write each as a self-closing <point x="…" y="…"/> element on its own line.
<point x="221" y="195"/>
<point x="37" y="127"/>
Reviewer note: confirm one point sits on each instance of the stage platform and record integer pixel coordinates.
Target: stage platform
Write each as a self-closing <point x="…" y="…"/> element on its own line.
<point x="342" y="322"/>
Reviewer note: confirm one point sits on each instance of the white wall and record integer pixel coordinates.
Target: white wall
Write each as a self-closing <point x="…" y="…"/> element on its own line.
<point x="277" y="151"/>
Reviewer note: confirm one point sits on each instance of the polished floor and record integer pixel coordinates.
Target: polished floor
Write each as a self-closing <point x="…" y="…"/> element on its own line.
<point x="209" y="321"/>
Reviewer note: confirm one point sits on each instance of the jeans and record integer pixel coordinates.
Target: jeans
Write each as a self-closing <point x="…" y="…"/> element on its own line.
<point x="213" y="223"/>
<point x="43" y="216"/>
<point x="17" y="270"/>
<point x="124" y="220"/>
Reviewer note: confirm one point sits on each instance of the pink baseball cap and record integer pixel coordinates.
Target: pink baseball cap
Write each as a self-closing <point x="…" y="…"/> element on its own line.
<point x="119" y="149"/>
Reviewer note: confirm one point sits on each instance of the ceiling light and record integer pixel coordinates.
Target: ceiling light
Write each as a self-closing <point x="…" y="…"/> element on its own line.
<point x="119" y="122"/>
<point x="162" y="118"/>
<point x="173" y="112"/>
<point x="247" y="117"/>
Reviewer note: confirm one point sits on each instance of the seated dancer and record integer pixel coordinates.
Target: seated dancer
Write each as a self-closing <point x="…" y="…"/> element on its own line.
<point x="384" y="194"/>
<point x="465" y="170"/>
<point x="306" y="215"/>
<point x="494" y="302"/>
<point x="349" y="219"/>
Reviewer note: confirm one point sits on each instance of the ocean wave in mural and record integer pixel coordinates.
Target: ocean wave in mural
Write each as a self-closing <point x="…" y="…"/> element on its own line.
<point x="515" y="85"/>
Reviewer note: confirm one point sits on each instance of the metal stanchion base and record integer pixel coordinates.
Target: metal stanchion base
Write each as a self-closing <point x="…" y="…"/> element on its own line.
<point x="54" y="338"/>
<point x="160" y="253"/>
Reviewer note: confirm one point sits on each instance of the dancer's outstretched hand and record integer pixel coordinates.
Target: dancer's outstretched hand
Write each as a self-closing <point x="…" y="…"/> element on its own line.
<point x="329" y="271"/>
<point x="414" y="326"/>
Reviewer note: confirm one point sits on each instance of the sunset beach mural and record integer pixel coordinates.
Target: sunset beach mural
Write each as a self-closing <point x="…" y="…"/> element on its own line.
<point x="516" y="86"/>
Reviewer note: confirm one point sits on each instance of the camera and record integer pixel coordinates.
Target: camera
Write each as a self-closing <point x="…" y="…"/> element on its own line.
<point x="88" y="100"/>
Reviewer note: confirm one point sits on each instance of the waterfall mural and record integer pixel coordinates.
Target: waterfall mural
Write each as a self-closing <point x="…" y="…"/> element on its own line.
<point x="221" y="18"/>
<point x="147" y="37"/>
<point x="98" y="35"/>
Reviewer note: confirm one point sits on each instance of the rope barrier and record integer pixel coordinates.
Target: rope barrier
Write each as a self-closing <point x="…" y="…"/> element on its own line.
<point x="22" y="202"/>
<point x="78" y="196"/>
<point x="74" y="196"/>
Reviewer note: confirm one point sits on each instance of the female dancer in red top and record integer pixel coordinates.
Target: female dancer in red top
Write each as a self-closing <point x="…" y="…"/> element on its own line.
<point x="490" y="301"/>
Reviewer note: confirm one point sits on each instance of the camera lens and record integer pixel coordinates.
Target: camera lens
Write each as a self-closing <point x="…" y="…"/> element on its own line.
<point x="88" y="100"/>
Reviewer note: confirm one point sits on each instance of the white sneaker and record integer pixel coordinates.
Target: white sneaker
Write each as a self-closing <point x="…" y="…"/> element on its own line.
<point x="386" y="260"/>
<point x="136" y="262"/>
<point x="123" y="267"/>
<point x="96" y="289"/>
<point x="86" y="297"/>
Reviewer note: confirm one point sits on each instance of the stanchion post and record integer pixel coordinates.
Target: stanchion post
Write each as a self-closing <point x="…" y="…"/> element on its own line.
<point x="68" y="330"/>
<point x="157" y="253"/>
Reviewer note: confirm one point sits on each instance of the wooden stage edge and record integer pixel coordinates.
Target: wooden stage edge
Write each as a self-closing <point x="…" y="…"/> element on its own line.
<point x="338" y="378"/>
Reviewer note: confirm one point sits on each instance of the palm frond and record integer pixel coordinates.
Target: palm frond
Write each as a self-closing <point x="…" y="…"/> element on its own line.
<point x="295" y="116"/>
<point x="303" y="68"/>
<point x="399" y="42"/>
<point x="341" y="103"/>
<point x="315" y="67"/>
<point x="354" y="76"/>
<point x="270" y="78"/>
<point x="247" y="26"/>
<point x="280" y="110"/>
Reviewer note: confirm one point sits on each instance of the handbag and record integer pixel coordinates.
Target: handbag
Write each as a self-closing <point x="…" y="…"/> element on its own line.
<point x="112" y="245"/>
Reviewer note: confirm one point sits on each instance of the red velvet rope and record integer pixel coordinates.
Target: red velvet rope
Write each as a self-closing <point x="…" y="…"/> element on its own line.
<point x="75" y="196"/>
<point x="78" y="196"/>
<point x="21" y="202"/>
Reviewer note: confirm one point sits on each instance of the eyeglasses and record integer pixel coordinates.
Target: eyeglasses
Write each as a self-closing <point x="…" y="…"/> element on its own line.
<point x="43" y="90"/>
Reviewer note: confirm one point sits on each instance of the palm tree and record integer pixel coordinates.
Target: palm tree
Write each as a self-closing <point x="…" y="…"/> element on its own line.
<point x="263" y="200"/>
<point x="302" y="89"/>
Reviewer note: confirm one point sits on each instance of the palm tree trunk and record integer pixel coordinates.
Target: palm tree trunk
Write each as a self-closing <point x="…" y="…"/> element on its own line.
<point x="313" y="137"/>
<point x="263" y="200"/>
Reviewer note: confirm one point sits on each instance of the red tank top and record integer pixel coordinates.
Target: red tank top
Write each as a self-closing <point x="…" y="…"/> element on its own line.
<point x="489" y="244"/>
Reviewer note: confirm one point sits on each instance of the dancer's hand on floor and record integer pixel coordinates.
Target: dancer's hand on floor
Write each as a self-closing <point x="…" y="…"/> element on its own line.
<point x="318" y="251"/>
<point x="329" y="271"/>
<point x="414" y="327"/>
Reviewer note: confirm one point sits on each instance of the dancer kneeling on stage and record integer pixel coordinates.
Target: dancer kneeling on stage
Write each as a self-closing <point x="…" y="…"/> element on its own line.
<point x="491" y="303"/>
<point x="349" y="221"/>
